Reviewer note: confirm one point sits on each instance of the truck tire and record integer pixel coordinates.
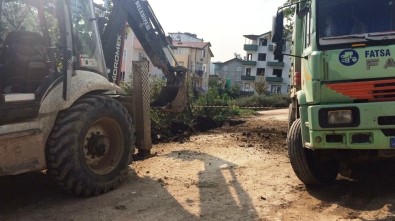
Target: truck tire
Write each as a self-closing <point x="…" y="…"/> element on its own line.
<point x="89" y="148"/>
<point x="291" y="115"/>
<point x="308" y="164"/>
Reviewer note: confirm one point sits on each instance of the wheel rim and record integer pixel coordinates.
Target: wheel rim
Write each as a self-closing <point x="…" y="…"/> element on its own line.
<point x="103" y="146"/>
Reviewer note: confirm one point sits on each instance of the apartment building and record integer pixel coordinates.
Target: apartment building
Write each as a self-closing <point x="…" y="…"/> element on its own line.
<point x="185" y="37"/>
<point x="260" y="64"/>
<point x="230" y="72"/>
<point x="134" y="51"/>
<point x="194" y="54"/>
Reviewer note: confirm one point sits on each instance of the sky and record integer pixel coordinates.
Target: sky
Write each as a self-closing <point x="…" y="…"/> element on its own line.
<point x="220" y="22"/>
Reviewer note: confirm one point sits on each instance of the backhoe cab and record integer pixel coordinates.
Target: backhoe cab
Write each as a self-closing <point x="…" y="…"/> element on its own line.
<point x="60" y="106"/>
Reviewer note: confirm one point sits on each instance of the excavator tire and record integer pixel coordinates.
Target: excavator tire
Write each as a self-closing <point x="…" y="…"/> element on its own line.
<point x="308" y="166"/>
<point x="90" y="145"/>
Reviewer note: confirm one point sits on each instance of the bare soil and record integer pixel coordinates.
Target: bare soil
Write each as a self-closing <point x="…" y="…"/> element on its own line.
<point x="237" y="172"/>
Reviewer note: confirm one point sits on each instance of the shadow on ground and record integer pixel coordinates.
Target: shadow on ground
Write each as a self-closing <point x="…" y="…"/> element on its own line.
<point x="33" y="196"/>
<point x="366" y="187"/>
<point x="222" y="196"/>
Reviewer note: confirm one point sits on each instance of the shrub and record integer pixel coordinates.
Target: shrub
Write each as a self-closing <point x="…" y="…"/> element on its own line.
<point x="278" y="101"/>
<point x="199" y="113"/>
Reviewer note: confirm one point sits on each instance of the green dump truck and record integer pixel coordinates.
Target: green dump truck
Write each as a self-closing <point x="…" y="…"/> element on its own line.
<point x="343" y="89"/>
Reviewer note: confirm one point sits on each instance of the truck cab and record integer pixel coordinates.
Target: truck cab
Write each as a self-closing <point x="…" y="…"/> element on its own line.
<point x="343" y="98"/>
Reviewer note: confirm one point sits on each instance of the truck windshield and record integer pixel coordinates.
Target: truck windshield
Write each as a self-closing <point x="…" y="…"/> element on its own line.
<point x="345" y="21"/>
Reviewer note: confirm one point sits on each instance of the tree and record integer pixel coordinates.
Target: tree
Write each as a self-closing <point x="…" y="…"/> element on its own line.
<point x="234" y="91"/>
<point x="261" y="86"/>
<point x="288" y="15"/>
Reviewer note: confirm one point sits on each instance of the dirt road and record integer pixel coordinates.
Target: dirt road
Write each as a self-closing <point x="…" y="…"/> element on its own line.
<point x="238" y="172"/>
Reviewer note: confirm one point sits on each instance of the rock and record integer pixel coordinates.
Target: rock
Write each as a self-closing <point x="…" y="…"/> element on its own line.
<point x="120" y="207"/>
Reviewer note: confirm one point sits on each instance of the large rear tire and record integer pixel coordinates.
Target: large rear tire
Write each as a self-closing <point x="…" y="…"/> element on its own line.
<point x="90" y="145"/>
<point x="312" y="167"/>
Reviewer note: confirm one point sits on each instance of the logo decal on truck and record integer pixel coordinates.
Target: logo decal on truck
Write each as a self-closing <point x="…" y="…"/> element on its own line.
<point x="373" y="59"/>
<point x="348" y="57"/>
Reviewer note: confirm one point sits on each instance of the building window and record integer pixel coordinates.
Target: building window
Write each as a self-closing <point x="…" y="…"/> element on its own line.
<point x="260" y="72"/>
<point x="247" y="86"/>
<point x="261" y="57"/>
<point x="249" y="57"/>
<point x="276" y="89"/>
<point x="278" y="72"/>
<point x="263" y="42"/>
<point x="248" y="71"/>
<point x="203" y="53"/>
<point x="239" y="69"/>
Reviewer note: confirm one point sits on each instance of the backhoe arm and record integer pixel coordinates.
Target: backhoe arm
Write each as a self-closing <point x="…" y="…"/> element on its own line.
<point x="141" y="18"/>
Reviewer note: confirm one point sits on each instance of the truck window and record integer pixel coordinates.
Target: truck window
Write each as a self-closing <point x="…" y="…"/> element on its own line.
<point x="337" y="18"/>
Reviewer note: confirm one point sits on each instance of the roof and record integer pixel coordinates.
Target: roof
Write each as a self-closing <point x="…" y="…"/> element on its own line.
<point x="233" y="59"/>
<point x="237" y="59"/>
<point x="196" y="45"/>
<point x="251" y="37"/>
<point x="254" y="37"/>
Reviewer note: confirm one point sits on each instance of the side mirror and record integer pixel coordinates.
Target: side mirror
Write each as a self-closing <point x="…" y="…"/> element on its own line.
<point x="278" y="36"/>
<point x="278" y="28"/>
<point x="303" y="12"/>
<point x="278" y="51"/>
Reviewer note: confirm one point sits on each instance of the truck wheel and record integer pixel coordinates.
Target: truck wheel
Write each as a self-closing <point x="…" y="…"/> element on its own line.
<point x="309" y="166"/>
<point x="291" y="115"/>
<point x="89" y="147"/>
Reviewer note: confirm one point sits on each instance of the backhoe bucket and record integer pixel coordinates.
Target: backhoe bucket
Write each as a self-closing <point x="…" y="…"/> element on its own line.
<point x="173" y="96"/>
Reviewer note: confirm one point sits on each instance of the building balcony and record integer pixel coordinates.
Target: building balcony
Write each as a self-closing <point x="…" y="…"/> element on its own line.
<point x="274" y="79"/>
<point x="249" y="63"/>
<point x="275" y="64"/>
<point x="249" y="47"/>
<point x="247" y="78"/>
